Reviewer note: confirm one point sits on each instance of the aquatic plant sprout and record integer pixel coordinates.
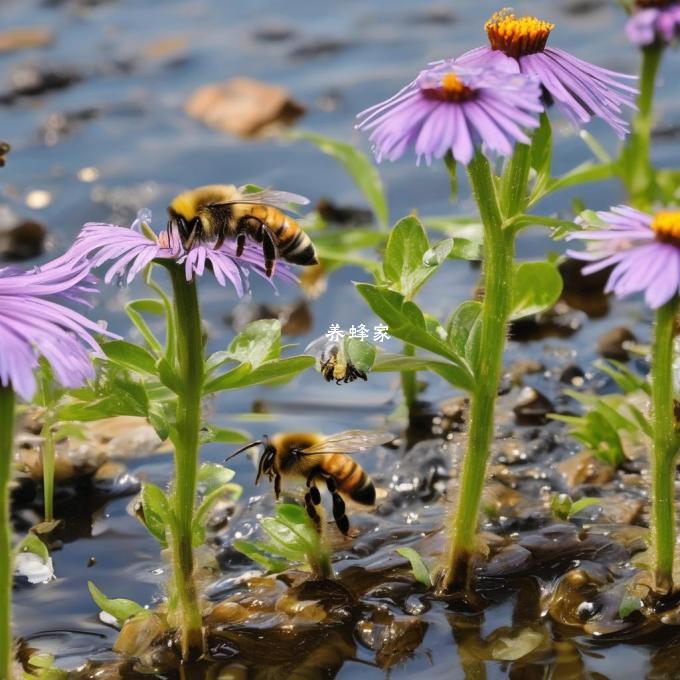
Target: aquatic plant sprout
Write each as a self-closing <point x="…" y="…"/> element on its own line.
<point x="131" y="250"/>
<point x="35" y="323"/>
<point x="643" y="249"/>
<point x="580" y="89"/>
<point x="645" y="252"/>
<point x="454" y="109"/>
<point x="654" y="21"/>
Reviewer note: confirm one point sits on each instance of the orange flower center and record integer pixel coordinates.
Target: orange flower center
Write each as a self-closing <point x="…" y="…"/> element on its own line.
<point x="515" y="36"/>
<point x="451" y="89"/>
<point x="666" y="226"/>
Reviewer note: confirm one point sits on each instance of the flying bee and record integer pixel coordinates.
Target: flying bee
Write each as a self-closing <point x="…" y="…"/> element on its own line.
<point x="312" y="457"/>
<point x="333" y="362"/>
<point x="222" y="211"/>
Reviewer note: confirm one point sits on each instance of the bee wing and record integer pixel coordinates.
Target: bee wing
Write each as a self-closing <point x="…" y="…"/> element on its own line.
<point x="350" y="441"/>
<point x="277" y="199"/>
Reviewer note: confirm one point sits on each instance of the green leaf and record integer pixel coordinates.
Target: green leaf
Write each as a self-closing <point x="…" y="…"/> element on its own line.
<point x="536" y="287"/>
<point x="629" y="604"/>
<point x="120" y="609"/>
<point x="32" y="544"/>
<point x="214" y="482"/>
<point x="258" y="552"/>
<point x="460" y="324"/>
<point x="158" y="419"/>
<point x="258" y="342"/>
<point x="406" y="322"/>
<point x="358" y="166"/>
<point x="211" y="476"/>
<point x="583" y="174"/>
<point x="126" y="398"/>
<point x="130" y="356"/>
<point x="541" y="152"/>
<point x="135" y="309"/>
<point x="409" y="261"/>
<point x="400" y="363"/>
<point x="626" y="379"/>
<point x="168" y="376"/>
<point x="360" y="353"/>
<point x="269" y="372"/>
<point x="466" y="249"/>
<point x="420" y="570"/>
<point x="223" y="435"/>
<point x="157" y="512"/>
<point x="583" y="503"/>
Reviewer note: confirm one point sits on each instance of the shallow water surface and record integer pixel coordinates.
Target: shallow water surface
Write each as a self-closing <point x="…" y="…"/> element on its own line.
<point x="114" y="82"/>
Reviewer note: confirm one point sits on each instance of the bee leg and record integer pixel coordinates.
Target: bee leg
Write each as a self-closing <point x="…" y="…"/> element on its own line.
<point x="269" y="249"/>
<point x="277" y="486"/>
<point x="311" y="510"/>
<point x="240" y="243"/>
<point x="338" y="506"/>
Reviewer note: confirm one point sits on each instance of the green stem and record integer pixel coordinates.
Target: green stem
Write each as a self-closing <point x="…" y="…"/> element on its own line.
<point x="665" y="448"/>
<point x="6" y="454"/>
<point x="499" y="246"/>
<point x="635" y="160"/>
<point x="409" y="384"/>
<point x="48" y="457"/>
<point x="513" y="193"/>
<point x="190" y="369"/>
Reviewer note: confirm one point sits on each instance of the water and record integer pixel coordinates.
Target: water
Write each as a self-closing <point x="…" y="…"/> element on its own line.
<point x="128" y="123"/>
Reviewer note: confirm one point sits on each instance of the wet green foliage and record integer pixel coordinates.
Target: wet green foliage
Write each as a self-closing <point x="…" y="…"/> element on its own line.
<point x="292" y="540"/>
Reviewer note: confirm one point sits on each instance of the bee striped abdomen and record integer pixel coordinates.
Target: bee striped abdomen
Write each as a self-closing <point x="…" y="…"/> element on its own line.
<point x="351" y="479"/>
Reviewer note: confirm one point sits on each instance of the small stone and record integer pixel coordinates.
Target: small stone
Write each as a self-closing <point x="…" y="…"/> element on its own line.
<point x="572" y="375"/>
<point x="518" y="369"/>
<point x="585" y="468"/>
<point x="611" y="344"/>
<point x="532" y="407"/>
<point x="16" y="39"/>
<point x="243" y="106"/>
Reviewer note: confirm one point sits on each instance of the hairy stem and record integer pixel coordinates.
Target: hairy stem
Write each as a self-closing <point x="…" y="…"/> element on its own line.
<point x="636" y="164"/>
<point x="498" y="272"/>
<point x="6" y="453"/>
<point x="409" y="381"/>
<point x="665" y="448"/>
<point x="190" y="369"/>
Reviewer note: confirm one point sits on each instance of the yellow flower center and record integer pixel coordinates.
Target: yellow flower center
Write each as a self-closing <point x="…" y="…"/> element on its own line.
<point x="666" y="226"/>
<point x="515" y="36"/>
<point x="451" y="89"/>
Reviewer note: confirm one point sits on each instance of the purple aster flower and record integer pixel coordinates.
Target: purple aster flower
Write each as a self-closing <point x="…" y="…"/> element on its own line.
<point x="581" y="90"/>
<point x="643" y="249"/>
<point x="130" y="250"/>
<point x="652" y="21"/>
<point x="449" y="107"/>
<point x="34" y="322"/>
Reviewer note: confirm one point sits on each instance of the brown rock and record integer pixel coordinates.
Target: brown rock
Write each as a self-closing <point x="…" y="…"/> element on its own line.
<point x="518" y="369"/>
<point x="611" y="344"/>
<point x="242" y="106"/>
<point x="620" y="509"/>
<point x="585" y="468"/>
<point x="532" y="407"/>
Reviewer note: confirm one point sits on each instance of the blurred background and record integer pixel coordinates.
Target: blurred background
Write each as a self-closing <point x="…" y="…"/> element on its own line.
<point x="102" y="104"/>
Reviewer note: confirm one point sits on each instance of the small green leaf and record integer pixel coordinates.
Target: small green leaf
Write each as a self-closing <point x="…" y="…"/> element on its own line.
<point x="406" y="322"/>
<point x="275" y="371"/>
<point x="223" y="435"/>
<point x="258" y="552"/>
<point x="360" y="353"/>
<point x="629" y="604"/>
<point x="582" y="504"/>
<point x="168" y="375"/>
<point x="536" y="287"/>
<point x="466" y="249"/>
<point x="460" y="324"/>
<point x="120" y="609"/>
<point x="211" y="476"/>
<point x="560" y="505"/>
<point x="32" y="544"/>
<point x="258" y="342"/>
<point x="229" y="380"/>
<point x="157" y="512"/>
<point x="130" y="356"/>
<point x="158" y="419"/>
<point x="420" y="571"/>
<point x="358" y="166"/>
<point x="135" y="310"/>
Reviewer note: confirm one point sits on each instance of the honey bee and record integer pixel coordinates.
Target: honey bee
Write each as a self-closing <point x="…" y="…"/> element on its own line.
<point x="312" y="457"/>
<point x="333" y="362"/>
<point x="220" y="211"/>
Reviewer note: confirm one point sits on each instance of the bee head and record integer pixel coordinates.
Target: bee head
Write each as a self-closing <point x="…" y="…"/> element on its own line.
<point x="266" y="464"/>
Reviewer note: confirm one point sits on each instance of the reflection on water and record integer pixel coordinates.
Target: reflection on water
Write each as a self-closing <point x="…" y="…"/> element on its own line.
<point x="95" y="116"/>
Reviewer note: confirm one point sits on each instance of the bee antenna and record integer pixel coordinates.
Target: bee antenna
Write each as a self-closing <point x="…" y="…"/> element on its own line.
<point x="241" y="450"/>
